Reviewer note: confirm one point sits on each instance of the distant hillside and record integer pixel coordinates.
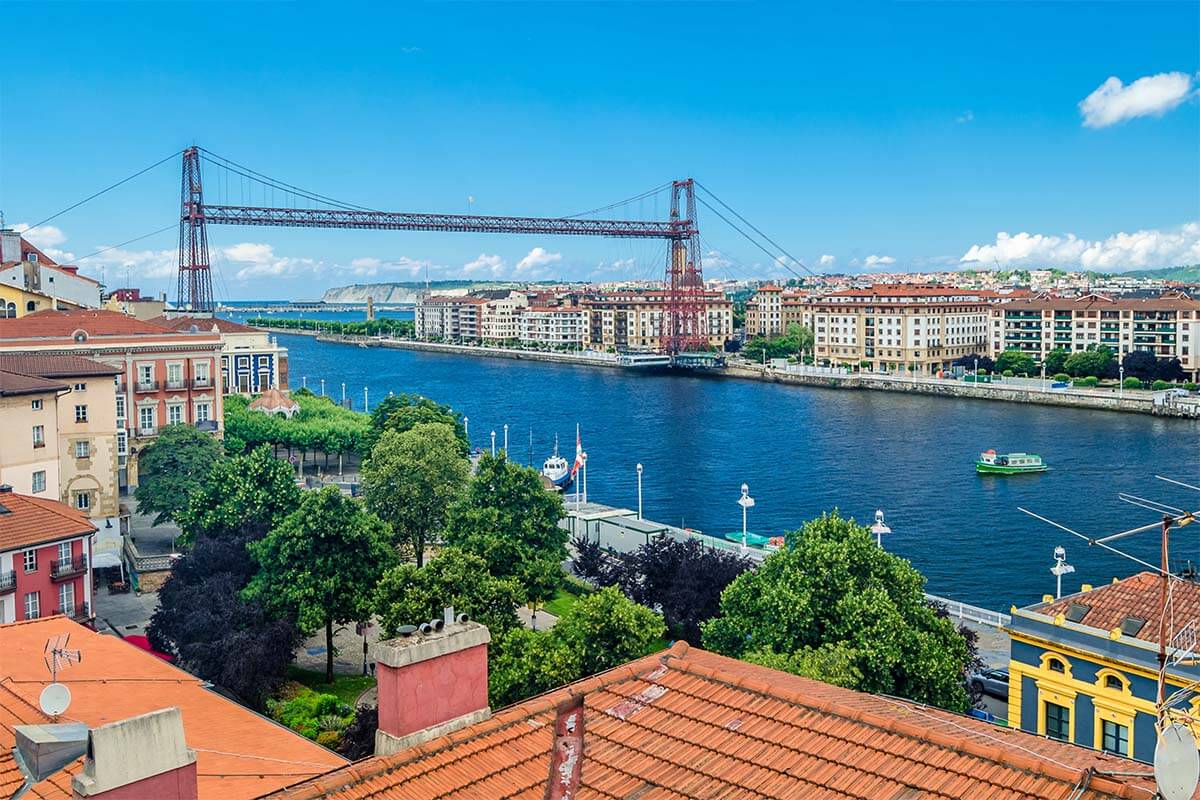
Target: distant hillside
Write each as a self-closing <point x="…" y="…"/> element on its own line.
<point x="1182" y="274"/>
<point x="402" y="291"/>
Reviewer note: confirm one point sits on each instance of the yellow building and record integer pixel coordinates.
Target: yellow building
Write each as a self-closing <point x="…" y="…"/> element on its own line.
<point x="1083" y="668"/>
<point x="17" y="302"/>
<point x="29" y="446"/>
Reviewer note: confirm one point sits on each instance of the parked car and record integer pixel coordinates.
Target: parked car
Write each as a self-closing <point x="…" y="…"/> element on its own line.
<point x="990" y="681"/>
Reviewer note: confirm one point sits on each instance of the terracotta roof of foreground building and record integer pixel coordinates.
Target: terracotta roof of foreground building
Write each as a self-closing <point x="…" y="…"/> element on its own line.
<point x="687" y="723"/>
<point x="1109" y="605"/>
<point x="26" y="521"/>
<point x="54" y="366"/>
<point x="183" y="324"/>
<point x="239" y="754"/>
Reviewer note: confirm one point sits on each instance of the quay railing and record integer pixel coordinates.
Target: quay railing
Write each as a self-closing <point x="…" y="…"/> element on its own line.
<point x="968" y="613"/>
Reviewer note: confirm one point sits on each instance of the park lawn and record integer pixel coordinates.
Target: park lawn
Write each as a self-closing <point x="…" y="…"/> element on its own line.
<point x="346" y="688"/>
<point x="562" y="602"/>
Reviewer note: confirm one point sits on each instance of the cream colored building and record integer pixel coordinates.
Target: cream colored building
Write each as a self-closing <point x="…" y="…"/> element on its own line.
<point x="1167" y="326"/>
<point x="632" y="320"/>
<point x="29" y="444"/>
<point x="553" y="326"/>
<point x="79" y="432"/>
<point x="897" y="328"/>
<point x="499" y="317"/>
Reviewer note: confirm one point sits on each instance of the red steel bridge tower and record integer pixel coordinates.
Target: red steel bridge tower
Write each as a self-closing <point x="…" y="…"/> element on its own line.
<point x="684" y="319"/>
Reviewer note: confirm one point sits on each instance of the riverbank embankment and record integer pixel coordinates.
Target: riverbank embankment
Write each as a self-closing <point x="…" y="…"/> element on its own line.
<point x="1129" y="401"/>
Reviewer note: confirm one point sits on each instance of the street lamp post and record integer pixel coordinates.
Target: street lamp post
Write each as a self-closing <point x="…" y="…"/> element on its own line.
<point x="639" y="473"/>
<point x="1060" y="568"/>
<point x="493" y="444"/>
<point x="746" y="502"/>
<point x="343" y="393"/>
<point x="1121" y="382"/>
<point x="467" y="429"/>
<point x="506" y="437"/>
<point x="879" y="528"/>
<point x="366" y="401"/>
<point x="322" y="387"/>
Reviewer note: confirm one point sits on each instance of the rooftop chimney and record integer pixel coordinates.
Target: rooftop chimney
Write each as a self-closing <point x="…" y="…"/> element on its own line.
<point x="10" y="245"/>
<point x="432" y="680"/>
<point x="140" y="757"/>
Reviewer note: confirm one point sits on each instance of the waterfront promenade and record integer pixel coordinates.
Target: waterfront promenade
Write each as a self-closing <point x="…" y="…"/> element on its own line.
<point x="1015" y="391"/>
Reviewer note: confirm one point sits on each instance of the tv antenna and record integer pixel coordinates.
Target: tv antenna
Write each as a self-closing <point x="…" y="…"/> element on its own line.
<point x="56" y="698"/>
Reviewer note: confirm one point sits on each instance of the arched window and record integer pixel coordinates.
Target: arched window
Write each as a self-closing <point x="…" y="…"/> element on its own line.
<point x="10" y="311"/>
<point x="31" y="305"/>
<point x="1055" y="665"/>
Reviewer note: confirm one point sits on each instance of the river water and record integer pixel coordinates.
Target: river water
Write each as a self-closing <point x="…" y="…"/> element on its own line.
<point x="807" y="450"/>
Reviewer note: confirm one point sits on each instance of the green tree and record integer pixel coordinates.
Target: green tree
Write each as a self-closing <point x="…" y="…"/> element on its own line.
<point x="829" y="663"/>
<point x="411" y="479"/>
<point x="172" y="468"/>
<point x="601" y="631"/>
<point x="508" y="518"/>
<point x="1020" y="362"/>
<point x="831" y="586"/>
<point x="322" y="563"/>
<point x="243" y="498"/>
<point x="409" y="595"/>
<point x="1096" y="363"/>
<point x="402" y="412"/>
<point x="1056" y="361"/>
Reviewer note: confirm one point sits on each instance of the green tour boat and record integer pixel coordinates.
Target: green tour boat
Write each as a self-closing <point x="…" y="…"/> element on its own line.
<point x="991" y="463"/>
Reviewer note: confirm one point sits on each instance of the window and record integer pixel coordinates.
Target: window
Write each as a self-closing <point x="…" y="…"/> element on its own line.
<point x="66" y="598"/>
<point x="122" y="443"/>
<point x="33" y="606"/>
<point x="203" y="414"/>
<point x="1057" y="722"/>
<point x="145" y="374"/>
<point x="1113" y="682"/>
<point x="1114" y="738"/>
<point x="39" y="435"/>
<point x="146" y="419"/>
<point x="120" y="408"/>
<point x="83" y="501"/>
<point x="81" y="413"/>
<point x="202" y="374"/>
<point x="81" y="387"/>
<point x="39" y="481"/>
<point x="29" y="560"/>
<point x="174" y="414"/>
<point x="1055" y="665"/>
<point x="174" y="375"/>
<point x="37" y="405"/>
<point x="64" y="553"/>
<point x="83" y="449"/>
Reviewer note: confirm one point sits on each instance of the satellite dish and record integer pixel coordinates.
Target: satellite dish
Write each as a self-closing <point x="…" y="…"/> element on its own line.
<point x="1176" y="763"/>
<point x="54" y="699"/>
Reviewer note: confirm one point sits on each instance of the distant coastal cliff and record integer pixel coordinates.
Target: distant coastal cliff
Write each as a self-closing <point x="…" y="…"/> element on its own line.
<point x="408" y="292"/>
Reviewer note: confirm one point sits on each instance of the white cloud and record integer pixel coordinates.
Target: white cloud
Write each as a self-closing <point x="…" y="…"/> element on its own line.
<point x="41" y="237"/>
<point x="535" y="260"/>
<point x="878" y="261"/>
<point x="1153" y="95"/>
<point x="965" y="117"/>
<point x="259" y="260"/>
<point x="826" y="260"/>
<point x="485" y="263"/>
<point x="1144" y="248"/>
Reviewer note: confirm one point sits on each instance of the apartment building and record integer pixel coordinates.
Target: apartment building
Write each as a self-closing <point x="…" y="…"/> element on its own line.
<point x="130" y="301"/>
<point x="553" y="326"/>
<point x="920" y="329"/>
<point x="165" y="377"/>
<point x="45" y="558"/>
<point x="448" y="318"/>
<point x="772" y="309"/>
<point x="498" y="322"/>
<point x="84" y="432"/>
<point x="29" y="446"/>
<point x="31" y="281"/>
<point x="1168" y="326"/>
<point x="252" y="361"/>
<point x="632" y="320"/>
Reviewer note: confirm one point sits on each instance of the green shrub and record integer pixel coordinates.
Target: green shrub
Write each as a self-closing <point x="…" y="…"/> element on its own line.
<point x="309" y="713"/>
<point x="1062" y="377"/>
<point x="1191" y="387"/>
<point x="1008" y="373"/>
<point x="1158" y="386"/>
<point x="1133" y="383"/>
<point x="330" y="739"/>
<point x="1090" y="380"/>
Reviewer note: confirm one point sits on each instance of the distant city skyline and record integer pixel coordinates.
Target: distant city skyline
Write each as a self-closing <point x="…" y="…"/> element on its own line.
<point x="869" y="137"/>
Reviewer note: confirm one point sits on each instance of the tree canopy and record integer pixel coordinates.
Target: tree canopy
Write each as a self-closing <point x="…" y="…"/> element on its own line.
<point x="408" y="594"/>
<point x="1144" y="365"/>
<point x="402" y="412"/>
<point x="242" y="498"/>
<point x="972" y="360"/>
<point x="798" y="339"/>
<point x="507" y="518"/>
<point x="411" y="479"/>
<point x="322" y="563"/>
<point x="601" y="631"/>
<point x="1018" y="361"/>
<point x="1097" y="363"/>
<point x="831" y="596"/>
<point x="172" y="468"/>
<point x="1056" y="361"/>
<point x="320" y="425"/>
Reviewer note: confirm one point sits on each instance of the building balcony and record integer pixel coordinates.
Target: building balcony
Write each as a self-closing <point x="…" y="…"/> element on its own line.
<point x="8" y="582"/>
<point x="80" y="612"/>
<point x="64" y="568"/>
<point x="208" y="425"/>
<point x="179" y="384"/>
<point x="151" y="430"/>
<point x="202" y="383"/>
<point x="146" y="386"/>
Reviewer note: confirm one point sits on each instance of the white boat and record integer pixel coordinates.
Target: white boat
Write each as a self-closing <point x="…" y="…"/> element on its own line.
<point x="557" y="469"/>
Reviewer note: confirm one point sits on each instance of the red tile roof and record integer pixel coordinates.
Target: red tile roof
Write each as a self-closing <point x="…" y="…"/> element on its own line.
<point x="13" y="384"/>
<point x="184" y="324"/>
<point x="687" y="723"/>
<point x="26" y="521"/>
<point x="239" y="754"/>
<point x="54" y="366"/>
<point x="1092" y="302"/>
<point x="111" y="325"/>
<point x="1135" y="596"/>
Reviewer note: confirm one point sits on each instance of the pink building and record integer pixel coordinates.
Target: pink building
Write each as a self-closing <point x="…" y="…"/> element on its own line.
<point x="45" y="559"/>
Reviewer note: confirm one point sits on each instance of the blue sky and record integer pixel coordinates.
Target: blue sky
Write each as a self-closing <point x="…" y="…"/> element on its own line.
<point x="898" y="135"/>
